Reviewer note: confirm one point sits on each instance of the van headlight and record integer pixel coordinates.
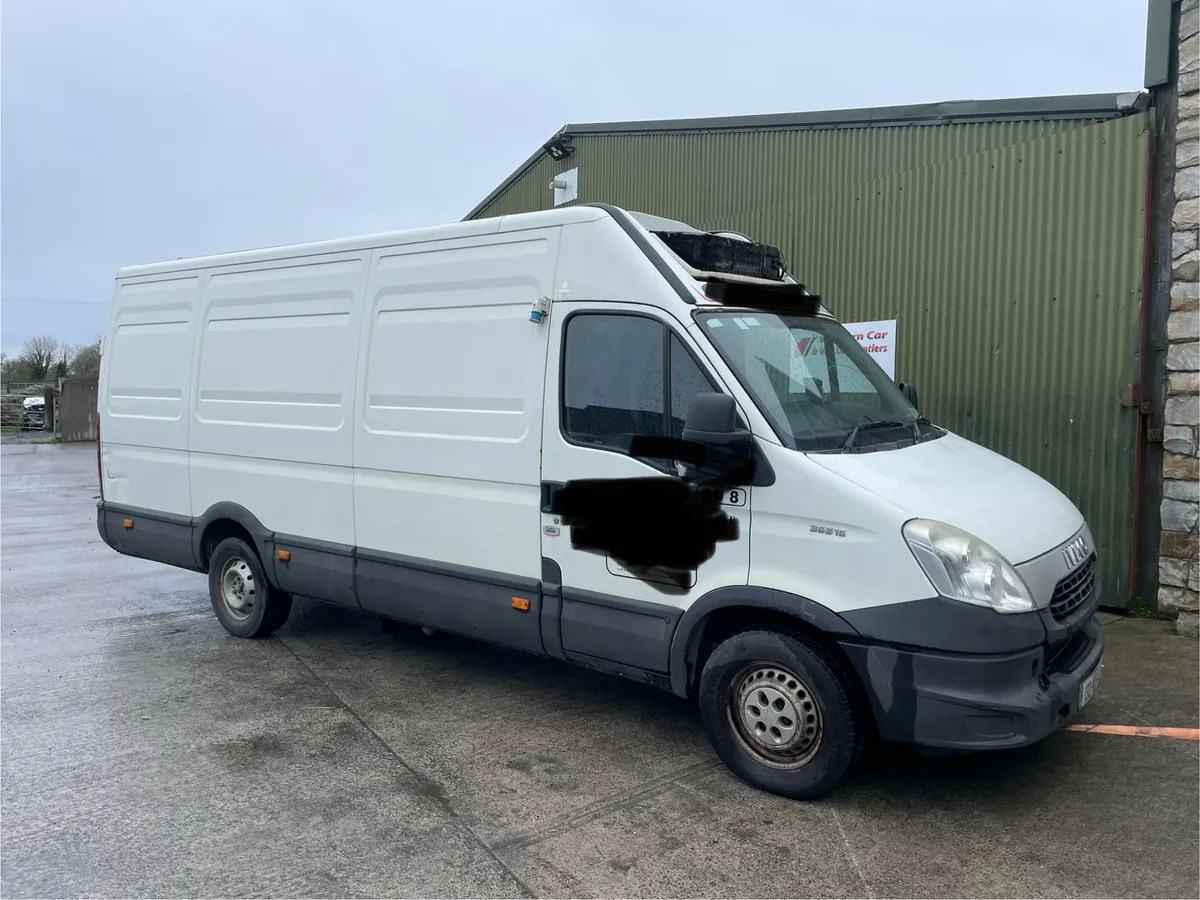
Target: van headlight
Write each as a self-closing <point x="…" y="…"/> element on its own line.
<point x="962" y="567"/>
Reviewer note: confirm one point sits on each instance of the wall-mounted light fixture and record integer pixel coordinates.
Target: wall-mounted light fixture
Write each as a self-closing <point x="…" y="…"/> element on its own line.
<point x="560" y="147"/>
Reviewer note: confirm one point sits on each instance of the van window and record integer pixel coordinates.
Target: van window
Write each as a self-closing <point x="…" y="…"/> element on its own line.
<point x="784" y="361"/>
<point x="621" y="378"/>
<point x="687" y="380"/>
<point x="819" y="363"/>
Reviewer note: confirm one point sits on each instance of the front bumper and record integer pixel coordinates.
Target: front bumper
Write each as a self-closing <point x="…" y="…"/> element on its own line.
<point x="977" y="701"/>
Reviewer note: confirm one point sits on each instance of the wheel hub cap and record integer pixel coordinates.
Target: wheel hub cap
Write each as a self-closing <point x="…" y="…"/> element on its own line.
<point x="237" y="587"/>
<point x="777" y="713"/>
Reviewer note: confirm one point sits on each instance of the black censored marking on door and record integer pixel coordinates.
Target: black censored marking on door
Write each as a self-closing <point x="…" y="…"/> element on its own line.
<point x="660" y="528"/>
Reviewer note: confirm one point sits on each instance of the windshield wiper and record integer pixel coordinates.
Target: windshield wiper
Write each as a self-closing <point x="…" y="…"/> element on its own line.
<point x="866" y="426"/>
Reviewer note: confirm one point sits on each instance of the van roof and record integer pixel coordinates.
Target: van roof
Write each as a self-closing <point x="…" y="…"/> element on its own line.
<point x="495" y="225"/>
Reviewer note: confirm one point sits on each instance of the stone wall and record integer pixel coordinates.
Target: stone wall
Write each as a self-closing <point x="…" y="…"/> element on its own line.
<point x="1179" y="553"/>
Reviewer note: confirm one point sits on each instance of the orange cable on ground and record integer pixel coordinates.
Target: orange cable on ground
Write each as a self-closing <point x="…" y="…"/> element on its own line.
<point x="1186" y="734"/>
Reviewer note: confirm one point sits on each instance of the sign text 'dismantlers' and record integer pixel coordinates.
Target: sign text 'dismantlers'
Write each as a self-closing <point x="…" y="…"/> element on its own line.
<point x="877" y="338"/>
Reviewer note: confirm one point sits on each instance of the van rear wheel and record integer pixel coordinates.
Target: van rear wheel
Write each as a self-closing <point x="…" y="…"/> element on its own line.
<point x="246" y="604"/>
<point x="780" y="711"/>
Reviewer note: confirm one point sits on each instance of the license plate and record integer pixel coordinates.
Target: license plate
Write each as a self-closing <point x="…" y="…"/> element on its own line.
<point x="1087" y="687"/>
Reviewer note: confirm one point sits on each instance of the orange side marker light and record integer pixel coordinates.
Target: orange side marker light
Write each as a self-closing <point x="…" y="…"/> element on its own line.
<point x="128" y="523"/>
<point x="520" y="603"/>
<point x="283" y="555"/>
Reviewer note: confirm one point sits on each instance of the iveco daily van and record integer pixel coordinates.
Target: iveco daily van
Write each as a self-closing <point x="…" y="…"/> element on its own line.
<point x="385" y="423"/>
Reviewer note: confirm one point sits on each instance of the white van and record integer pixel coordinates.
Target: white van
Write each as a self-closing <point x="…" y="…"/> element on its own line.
<point x="392" y="423"/>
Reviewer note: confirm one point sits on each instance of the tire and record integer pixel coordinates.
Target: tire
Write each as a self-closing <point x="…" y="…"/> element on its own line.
<point x="811" y="719"/>
<point x="235" y="576"/>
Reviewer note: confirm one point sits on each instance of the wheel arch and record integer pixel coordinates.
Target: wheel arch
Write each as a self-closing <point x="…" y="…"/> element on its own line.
<point x="226" y="519"/>
<point x="722" y="611"/>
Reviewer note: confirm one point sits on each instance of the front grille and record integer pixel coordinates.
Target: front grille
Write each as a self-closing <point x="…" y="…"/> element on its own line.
<point x="1072" y="591"/>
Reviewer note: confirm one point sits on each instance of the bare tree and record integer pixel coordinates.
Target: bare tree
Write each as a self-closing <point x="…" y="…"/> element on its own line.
<point x="13" y="370"/>
<point x="40" y="355"/>
<point x="85" y="361"/>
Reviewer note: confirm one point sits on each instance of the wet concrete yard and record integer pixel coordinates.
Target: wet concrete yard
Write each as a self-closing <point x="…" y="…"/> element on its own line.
<point x="147" y="753"/>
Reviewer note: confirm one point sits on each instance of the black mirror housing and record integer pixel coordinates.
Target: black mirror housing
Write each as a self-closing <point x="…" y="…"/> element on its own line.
<point x="712" y="449"/>
<point x="711" y="419"/>
<point x="909" y="392"/>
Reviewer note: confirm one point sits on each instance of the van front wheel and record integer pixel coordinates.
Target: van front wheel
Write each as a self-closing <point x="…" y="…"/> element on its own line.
<point x="245" y="602"/>
<point x="779" y="710"/>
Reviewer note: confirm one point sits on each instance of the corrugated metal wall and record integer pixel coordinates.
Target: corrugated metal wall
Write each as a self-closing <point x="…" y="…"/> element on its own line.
<point x="693" y="175"/>
<point x="77" y="413"/>
<point x="1010" y="254"/>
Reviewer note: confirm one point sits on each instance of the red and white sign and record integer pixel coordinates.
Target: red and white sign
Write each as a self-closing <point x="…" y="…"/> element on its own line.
<point x="878" y="339"/>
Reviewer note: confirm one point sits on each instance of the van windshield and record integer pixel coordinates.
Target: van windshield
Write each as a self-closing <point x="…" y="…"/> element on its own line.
<point x="817" y="386"/>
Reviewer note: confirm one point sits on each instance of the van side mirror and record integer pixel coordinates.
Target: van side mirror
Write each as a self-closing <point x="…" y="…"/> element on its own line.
<point x="711" y="419"/>
<point x="909" y="392"/>
<point x="712" y="450"/>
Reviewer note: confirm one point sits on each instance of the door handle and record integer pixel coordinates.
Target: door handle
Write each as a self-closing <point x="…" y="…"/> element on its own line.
<point x="549" y="488"/>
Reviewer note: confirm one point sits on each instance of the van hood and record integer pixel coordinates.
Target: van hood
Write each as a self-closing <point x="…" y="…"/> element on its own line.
<point x="955" y="481"/>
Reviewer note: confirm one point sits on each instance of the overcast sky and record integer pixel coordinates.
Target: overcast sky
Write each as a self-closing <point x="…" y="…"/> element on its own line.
<point x="141" y="131"/>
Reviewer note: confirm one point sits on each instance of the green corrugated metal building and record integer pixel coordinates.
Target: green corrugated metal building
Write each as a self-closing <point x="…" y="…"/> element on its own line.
<point x="1005" y="237"/>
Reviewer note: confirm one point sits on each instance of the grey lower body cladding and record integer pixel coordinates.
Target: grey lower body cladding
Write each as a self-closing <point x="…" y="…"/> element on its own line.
<point x="1007" y="692"/>
<point x="619" y="636"/>
<point x="935" y="672"/>
<point x="147" y="534"/>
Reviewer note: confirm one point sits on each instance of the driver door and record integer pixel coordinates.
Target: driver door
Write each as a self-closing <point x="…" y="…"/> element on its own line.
<point x="613" y="372"/>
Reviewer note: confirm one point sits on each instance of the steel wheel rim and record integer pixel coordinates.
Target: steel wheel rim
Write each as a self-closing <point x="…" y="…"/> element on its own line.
<point x="239" y="590"/>
<point x="775" y="715"/>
